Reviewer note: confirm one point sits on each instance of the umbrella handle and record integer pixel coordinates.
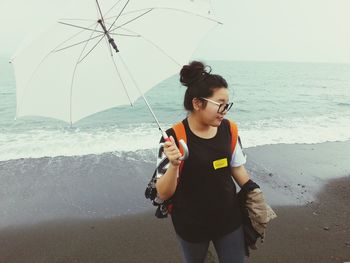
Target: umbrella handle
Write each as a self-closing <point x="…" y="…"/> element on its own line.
<point x="185" y="149"/>
<point x="183" y="145"/>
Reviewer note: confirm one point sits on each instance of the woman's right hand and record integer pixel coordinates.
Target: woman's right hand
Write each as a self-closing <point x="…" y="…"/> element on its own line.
<point x="172" y="152"/>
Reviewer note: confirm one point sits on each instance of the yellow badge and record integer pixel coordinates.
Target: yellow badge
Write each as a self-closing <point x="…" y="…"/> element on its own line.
<point x="221" y="163"/>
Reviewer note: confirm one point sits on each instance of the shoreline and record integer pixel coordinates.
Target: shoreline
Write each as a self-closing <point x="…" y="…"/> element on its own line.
<point x="139" y="154"/>
<point x="92" y="209"/>
<point x="292" y="174"/>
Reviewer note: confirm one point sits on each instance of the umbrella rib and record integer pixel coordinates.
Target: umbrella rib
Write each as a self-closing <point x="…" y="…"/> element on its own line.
<point x="188" y="12"/>
<point x="42" y="61"/>
<point x="161" y="50"/>
<point x="124" y="35"/>
<point x="155" y="45"/>
<point x="73" y="77"/>
<point x="141" y="93"/>
<point x="112" y="7"/>
<point x="133" y="11"/>
<point x="172" y="9"/>
<point x="92" y="49"/>
<point x="116" y="68"/>
<point x="121" y="80"/>
<point x="119" y="15"/>
<point x="78" y="33"/>
<point x="76" y="44"/>
<point x="30" y="79"/>
<point x="128" y="22"/>
<point x="77" y="19"/>
<point x="81" y="27"/>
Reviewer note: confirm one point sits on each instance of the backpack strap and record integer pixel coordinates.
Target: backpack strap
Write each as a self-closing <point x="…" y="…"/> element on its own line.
<point x="234" y="135"/>
<point x="180" y="133"/>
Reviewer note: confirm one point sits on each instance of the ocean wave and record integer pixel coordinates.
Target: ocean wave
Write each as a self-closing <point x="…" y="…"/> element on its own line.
<point x="319" y="129"/>
<point x="343" y="104"/>
<point x="139" y="141"/>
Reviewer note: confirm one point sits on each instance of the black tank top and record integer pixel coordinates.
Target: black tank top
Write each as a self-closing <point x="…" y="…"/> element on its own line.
<point x="205" y="201"/>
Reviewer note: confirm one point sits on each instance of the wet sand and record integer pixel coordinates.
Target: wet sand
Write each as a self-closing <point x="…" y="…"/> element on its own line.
<point x="307" y="185"/>
<point x="317" y="232"/>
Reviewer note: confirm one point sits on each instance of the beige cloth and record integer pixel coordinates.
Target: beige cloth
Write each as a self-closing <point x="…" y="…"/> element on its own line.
<point x="259" y="212"/>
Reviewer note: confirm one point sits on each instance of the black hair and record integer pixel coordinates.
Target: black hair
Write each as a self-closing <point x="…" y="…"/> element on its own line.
<point x="199" y="81"/>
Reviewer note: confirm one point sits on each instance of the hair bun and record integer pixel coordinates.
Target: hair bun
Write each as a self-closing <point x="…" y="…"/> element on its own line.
<point x="193" y="72"/>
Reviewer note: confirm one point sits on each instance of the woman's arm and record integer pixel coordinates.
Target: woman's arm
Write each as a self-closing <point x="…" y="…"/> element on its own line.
<point x="240" y="175"/>
<point x="166" y="184"/>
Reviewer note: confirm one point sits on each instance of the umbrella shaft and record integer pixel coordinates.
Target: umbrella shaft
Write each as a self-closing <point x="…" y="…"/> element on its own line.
<point x="110" y="40"/>
<point x="165" y="136"/>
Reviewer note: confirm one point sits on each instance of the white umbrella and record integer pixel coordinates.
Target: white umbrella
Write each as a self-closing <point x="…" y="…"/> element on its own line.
<point x="105" y="53"/>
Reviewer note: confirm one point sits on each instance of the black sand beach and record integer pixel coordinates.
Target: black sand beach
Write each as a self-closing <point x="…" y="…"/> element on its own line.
<point x="92" y="209"/>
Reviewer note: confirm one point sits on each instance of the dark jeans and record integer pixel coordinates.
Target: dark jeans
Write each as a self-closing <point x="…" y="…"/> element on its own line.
<point x="229" y="248"/>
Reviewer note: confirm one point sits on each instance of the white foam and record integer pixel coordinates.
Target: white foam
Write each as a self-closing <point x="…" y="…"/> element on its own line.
<point x="41" y="143"/>
<point x="324" y="128"/>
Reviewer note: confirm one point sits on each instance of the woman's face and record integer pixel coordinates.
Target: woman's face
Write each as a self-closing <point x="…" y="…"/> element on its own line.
<point x="209" y="114"/>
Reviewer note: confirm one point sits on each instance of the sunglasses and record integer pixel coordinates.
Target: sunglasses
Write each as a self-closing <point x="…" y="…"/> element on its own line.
<point x="222" y="106"/>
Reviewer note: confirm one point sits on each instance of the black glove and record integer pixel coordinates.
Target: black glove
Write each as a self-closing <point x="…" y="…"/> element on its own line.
<point x="249" y="186"/>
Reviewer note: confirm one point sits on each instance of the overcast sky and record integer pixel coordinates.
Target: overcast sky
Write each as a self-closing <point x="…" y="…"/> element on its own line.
<point x="271" y="30"/>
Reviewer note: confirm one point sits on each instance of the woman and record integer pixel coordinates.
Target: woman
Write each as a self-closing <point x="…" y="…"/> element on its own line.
<point x="205" y="205"/>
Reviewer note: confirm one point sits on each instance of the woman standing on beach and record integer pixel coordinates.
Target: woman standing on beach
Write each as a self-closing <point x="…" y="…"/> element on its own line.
<point x="205" y="205"/>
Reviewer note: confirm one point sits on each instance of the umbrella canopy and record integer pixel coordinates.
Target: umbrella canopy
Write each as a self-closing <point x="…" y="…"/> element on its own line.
<point x="105" y="53"/>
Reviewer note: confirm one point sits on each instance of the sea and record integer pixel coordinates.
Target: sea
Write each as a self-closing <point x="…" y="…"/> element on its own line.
<point x="99" y="167"/>
<point x="274" y="102"/>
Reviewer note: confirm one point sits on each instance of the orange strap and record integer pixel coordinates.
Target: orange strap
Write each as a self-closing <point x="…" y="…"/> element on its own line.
<point x="180" y="133"/>
<point x="234" y="135"/>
